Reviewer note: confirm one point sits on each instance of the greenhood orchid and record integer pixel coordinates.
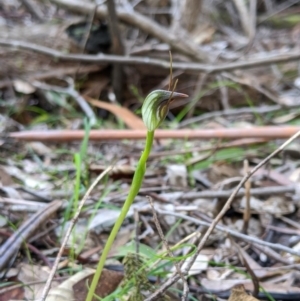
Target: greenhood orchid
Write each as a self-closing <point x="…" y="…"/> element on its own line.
<point x="156" y="106"/>
<point x="154" y="111"/>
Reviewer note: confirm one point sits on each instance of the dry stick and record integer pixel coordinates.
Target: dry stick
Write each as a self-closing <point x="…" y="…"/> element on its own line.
<point x="243" y="259"/>
<point x="242" y="9"/>
<point x="269" y="59"/>
<point x="247" y="212"/>
<point x="234" y="112"/>
<point x="280" y="8"/>
<point x="252" y="19"/>
<point x="57" y="72"/>
<point x="268" y="132"/>
<point x="170" y="253"/>
<point x="70" y="90"/>
<point x="226" y="193"/>
<point x="10" y="248"/>
<point x="253" y="84"/>
<point x="68" y="233"/>
<point x="135" y="19"/>
<point x="117" y="48"/>
<point x="238" y="142"/>
<point x="224" y="93"/>
<point x="34" y="9"/>
<point x="136" y="221"/>
<point x="233" y="233"/>
<point x="87" y="34"/>
<point x="214" y="223"/>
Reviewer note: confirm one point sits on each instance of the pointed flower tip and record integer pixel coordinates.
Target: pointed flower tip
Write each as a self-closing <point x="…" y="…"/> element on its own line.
<point x="156" y="107"/>
<point x="179" y="95"/>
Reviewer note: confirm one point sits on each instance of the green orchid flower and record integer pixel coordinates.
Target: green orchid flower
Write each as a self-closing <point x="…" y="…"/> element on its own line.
<point x="156" y="106"/>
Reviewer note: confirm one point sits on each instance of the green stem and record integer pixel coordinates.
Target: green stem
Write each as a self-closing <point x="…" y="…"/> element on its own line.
<point x="134" y="189"/>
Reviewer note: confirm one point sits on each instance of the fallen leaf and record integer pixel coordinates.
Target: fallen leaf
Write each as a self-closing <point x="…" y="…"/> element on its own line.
<point x="75" y="288"/>
<point x="238" y="293"/>
<point x="32" y="273"/>
<point x="177" y="175"/>
<point x="129" y="118"/>
<point x="200" y="264"/>
<point x="12" y="292"/>
<point x="109" y="281"/>
<point x="23" y="87"/>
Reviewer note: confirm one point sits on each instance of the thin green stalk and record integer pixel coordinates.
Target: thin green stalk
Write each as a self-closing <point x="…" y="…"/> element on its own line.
<point x="154" y="111"/>
<point x="134" y="189"/>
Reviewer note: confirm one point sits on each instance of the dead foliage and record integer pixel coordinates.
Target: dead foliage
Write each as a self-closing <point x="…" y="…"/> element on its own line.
<point x="73" y="70"/>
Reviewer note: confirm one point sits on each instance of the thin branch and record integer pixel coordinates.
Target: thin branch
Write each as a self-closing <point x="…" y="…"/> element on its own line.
<point x="10" y="248"/>
<point x="34" y="9"/>
<point x="268" y="59"/>
<point x="135" y="19"/>
<point x="70" y="90"/>
<point x="247" y="210"/>
<point x="233" y="233"/>
<point x="117" y="48"/>
<point x="234" y="112"/>
<point x="266" y="132"/>
<point x="245" y="19"/>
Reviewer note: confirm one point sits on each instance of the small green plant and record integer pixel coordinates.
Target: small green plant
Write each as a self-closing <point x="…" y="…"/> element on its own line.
<point x="154" y="111"/>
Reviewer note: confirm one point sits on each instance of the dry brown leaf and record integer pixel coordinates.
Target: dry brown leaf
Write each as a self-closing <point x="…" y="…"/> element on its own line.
<point x="75" y="288"/>
<point x="5" y="178"/>
<point x="12" y="292"/>
<point x="238" y="293"/>
<point x="109" y="281"/>
<point x="129" y="118"/>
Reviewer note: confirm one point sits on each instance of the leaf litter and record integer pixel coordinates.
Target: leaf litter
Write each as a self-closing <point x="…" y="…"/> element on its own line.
<point x="34" y="174"/>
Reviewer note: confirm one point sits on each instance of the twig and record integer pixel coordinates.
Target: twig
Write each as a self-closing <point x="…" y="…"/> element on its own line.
<point x="226" y="193"/>
<point x="214" y="223"/>
<point x="271" y="253"/>
<point x="280" y="8"/>
<point x="233" y="233"/>
<point x="206" y="148"/>
<point x="68" y="233"/>
<point x="170" y="253"/>
<point x="234" y="112"/>
<point x="243" y="258"/>
<point x="134" y="18"/>
<point x="267" y="132"/>
<point x="245" y="19"/>
<point x="12" y="245"/>
<point x="12" y="249"/>
<point x="33" y="9"/>
<point x="56" y="72"/>
<point x="70" y="90"/>
<point x="224" y="93"/>
<point x="247" y="211"/>
<point x="269" y="59"/>
<point x="252" y="19"/>
<point x="117" y="48"/>
<point x="137" y="224"/>
<point x="250" y="81"/>
<point x="196" y="97"/>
